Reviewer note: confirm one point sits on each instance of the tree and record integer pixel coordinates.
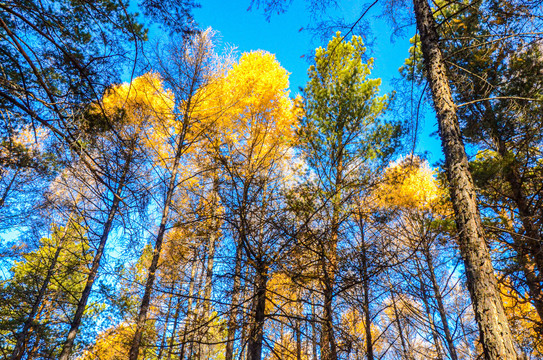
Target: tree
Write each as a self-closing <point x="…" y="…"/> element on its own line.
<point x="494" y="329"/>
<point x="195" y="66"/>
<point x="43" y="289"/>
<point x="253" y="141"/>
<point x="342" y="137"/>
<point x="137" y="107"/>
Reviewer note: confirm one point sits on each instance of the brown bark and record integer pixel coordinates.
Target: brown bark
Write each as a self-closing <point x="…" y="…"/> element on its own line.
<point x="82" y="303"/>
<point x="493" y="326"/>
<point x="256" y="334"/>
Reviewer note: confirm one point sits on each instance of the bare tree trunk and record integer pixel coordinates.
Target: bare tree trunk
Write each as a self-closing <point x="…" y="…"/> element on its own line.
<point x="403" y="341"/>
<point x="188" y="317"/>
<point x="180" y="147"/>
<point x="493" y="326"/>
<point x="366" y="287"/>
<point x="82" y="303"/>
<point x="234" y="310"/>
<point x="298" y="334"/>
<point x="174" y="329"/>
<point x="166" y="321"/>
<point x="313" y="329"/>
<point x="426" y="302"/>
<point x="531" y="242"/>
<point x="439" y="300"/>
<point x="256" y="335"/>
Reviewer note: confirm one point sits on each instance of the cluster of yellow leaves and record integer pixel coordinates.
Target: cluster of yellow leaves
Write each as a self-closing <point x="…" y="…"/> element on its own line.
<point x="411" y="183"/>
<point x="523" y="320"/>
<point x="353" y="324"/>
<point x="249" y="109"/>
<point x="144" y="99"/>
<point x="143" y="104"/>
<point x="114" y="343"/>
<point x="282" y="295"/>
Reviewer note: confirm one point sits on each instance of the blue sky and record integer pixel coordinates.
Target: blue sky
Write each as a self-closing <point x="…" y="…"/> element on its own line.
<point x="249" y="30"/>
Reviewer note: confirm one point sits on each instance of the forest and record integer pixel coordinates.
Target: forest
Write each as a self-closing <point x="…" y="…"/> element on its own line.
<point x="174" y="199"/>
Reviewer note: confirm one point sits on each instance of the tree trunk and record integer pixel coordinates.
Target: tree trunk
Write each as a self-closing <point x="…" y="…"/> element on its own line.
<point x="493" y="326"/>
<point x="180" y="147"/>
<point x="18" y="351"/>
<point x="82" y="303"/>
<point x="531" y="241"/>
<point x="174" y="329"/>
<point x="366" y="287"/>
<point x="426" y="302"/>
<point x="439" y="300"/>
<point x="166" y="321"/>
<point x="256" y="334"/>
<point x="403" y="341"/>
<point x="188" y="317"/>
<point x="234" y="311"/>
<point x="313" y="329"/>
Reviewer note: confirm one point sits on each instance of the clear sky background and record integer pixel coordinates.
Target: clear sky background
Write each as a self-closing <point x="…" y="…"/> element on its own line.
<point x="282" y="35"/>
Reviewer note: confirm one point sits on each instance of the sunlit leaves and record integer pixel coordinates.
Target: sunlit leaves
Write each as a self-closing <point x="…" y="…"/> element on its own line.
<point x="410" y="183"/>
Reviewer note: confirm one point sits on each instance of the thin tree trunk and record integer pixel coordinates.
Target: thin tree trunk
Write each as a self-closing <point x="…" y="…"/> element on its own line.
<point x="256" y="335"/>
<point x="188" y="317"/>
<point x="82" y="303"/>
<point x="403" y="341"/>
<point x="426" y="302"/>
<point x="366" y="287"/>
<point x="313" y="329"/>
<point x="166" y="321"/>
<point x="234" y="311"/>
<point x="18" y="351"/>
<point x="439" y="300"/>
<point x="531" y="242"/>
<point x="146" y="299"/>
<point x="174" y="329"/>
<point x="298" y="334"/>
<point x="493" y="326"/>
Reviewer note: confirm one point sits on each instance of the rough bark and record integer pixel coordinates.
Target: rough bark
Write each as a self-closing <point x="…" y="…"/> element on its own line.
<point x="256" y="334"/>
<point x="493" y="326"/>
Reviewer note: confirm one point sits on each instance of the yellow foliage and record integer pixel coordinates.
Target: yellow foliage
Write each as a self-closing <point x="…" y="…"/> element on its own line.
<point x="353" y="324"/>
<point x="523" y="320"/>
<point x="143" y="104"/>
<point x="249" y="110"/>
<point x="412" y="184"/>
<point x="114" y="344"/>
<point x="281" y="294"/>
<point x="143" y="100"/>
